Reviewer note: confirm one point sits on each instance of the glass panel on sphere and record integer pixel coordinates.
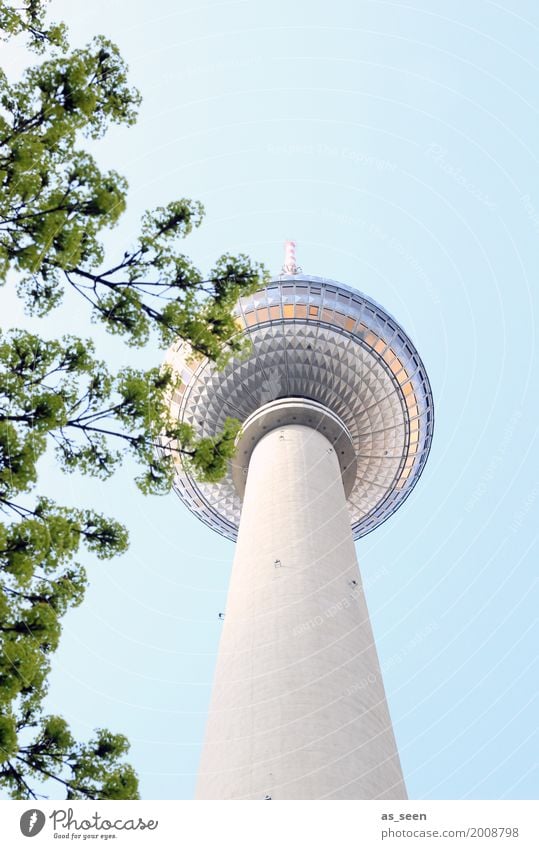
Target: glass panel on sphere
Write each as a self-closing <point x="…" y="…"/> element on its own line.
<point x="259" y="299"/>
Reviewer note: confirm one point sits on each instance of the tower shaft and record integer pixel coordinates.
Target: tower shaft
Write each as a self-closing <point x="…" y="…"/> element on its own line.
<point x="298" y="708"/>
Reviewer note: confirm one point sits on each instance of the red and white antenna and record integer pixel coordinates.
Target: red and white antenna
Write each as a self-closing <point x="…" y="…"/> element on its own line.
<point x="290" y="266"/>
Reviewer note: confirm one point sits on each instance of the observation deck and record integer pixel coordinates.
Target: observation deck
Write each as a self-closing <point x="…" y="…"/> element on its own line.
<point x="314" y="339"/>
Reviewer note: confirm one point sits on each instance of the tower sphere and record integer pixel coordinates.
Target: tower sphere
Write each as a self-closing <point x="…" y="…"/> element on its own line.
<point x="321" y="354"/>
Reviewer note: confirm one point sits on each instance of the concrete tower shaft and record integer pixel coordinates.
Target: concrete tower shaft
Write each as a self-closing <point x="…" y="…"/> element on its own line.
<point x="298" y="708"/>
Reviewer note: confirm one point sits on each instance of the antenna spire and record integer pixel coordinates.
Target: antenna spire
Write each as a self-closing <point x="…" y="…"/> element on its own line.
<point x="290" y="266"/>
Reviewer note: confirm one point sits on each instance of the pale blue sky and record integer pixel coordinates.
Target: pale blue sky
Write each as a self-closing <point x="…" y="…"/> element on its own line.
<point x="397" y="143"/>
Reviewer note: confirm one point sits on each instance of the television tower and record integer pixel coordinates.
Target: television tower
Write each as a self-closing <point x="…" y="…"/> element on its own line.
<point x="337" y="420"/>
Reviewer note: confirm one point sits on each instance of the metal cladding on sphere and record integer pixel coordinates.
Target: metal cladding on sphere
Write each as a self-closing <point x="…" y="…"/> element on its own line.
<point x="315" y="339"/>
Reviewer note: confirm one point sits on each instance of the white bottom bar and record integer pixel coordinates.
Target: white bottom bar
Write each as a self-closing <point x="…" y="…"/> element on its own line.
<point x="244" y="824"/>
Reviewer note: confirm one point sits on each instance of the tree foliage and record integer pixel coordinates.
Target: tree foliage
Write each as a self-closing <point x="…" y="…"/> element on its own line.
<point x="57" y="394"/>
<point x="29" y="18"/>
<point x="55" y="203"/>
